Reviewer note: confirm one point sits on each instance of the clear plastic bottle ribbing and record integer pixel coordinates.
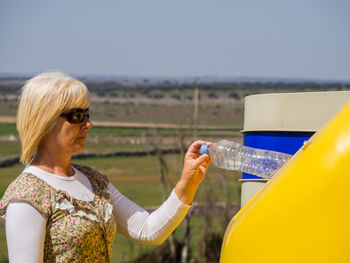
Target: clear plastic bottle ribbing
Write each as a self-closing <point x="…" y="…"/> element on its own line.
<point x="233" y="156"/>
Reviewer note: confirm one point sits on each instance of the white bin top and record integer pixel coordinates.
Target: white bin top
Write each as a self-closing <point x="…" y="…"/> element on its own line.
<point x="305" y="111"/>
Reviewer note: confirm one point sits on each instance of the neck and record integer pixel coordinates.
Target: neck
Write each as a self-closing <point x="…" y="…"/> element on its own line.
<point x="52" y="162"/>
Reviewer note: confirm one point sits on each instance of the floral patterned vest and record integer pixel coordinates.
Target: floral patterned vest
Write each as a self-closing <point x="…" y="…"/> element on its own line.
<point x="76" y="230"/>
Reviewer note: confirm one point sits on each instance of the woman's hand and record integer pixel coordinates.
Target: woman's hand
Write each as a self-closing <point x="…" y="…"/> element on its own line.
<point x="195" y="167"/>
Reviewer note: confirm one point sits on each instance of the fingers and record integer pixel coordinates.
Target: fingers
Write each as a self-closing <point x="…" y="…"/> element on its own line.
<point x="195" y="146"/>
<point x="202" y="159"/>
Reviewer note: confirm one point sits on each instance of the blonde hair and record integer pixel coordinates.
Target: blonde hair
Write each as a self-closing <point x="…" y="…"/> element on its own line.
<point x="43" y="98"/>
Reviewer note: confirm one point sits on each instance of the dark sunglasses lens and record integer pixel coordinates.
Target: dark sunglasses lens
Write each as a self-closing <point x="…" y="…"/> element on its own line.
<point x="77" y="117"/>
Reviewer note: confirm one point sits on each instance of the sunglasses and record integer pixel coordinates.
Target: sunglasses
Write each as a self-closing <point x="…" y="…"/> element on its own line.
<point x="76" y="115"/>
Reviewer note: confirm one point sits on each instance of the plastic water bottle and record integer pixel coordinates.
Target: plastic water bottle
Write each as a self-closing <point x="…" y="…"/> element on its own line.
<point x="233" y="156"/>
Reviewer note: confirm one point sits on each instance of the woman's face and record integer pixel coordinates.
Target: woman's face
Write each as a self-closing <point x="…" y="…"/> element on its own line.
<point x="68" y="138"/>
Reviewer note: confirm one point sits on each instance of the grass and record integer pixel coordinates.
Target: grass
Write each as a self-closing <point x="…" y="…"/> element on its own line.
<point x="9" y="149"/>
<point x="111" y="139"/>
<point x="8" y="129"/>
<point x="209" y="114"/>
<point x="3" y="247"/>
<point x="218" y="113"/>
<point x="151" y="132"/>
<point x="8" y="107"/>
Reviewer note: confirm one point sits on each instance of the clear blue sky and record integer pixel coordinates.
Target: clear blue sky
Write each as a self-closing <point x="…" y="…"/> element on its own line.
<point x="276" y="38"/>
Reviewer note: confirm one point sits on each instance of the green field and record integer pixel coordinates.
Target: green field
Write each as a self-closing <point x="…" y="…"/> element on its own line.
<point x="111" y="139"/>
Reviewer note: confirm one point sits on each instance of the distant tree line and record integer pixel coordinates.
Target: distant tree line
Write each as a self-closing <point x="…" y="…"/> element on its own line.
<point x="146" y="88"/>
<point x="156" y="90"/>
<point x="237" y="91"/>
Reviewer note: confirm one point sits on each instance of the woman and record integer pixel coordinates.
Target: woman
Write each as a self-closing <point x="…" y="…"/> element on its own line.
<point x="58" y="211"/>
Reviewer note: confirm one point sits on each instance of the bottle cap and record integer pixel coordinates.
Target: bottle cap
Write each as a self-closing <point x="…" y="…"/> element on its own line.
<point x="204" y="149"/>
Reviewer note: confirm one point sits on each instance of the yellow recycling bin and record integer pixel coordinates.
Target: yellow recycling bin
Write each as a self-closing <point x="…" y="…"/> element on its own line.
<point x="303" y="213"/>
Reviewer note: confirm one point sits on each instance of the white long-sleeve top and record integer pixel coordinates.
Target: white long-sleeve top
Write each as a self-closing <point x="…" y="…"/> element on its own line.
<point x="26" y="225"/>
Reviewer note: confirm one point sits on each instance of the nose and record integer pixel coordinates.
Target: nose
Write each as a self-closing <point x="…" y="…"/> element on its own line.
<point x="87" y="124"/>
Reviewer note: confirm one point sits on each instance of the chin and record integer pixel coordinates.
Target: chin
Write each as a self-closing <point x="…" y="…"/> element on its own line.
<point x="79" y="148"/>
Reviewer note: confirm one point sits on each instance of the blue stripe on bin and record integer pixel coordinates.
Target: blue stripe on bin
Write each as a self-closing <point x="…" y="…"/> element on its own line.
<point x="287" y="142"/>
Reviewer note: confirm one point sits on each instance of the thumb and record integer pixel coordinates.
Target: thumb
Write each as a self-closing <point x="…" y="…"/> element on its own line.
<point x="201" y="159"/>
